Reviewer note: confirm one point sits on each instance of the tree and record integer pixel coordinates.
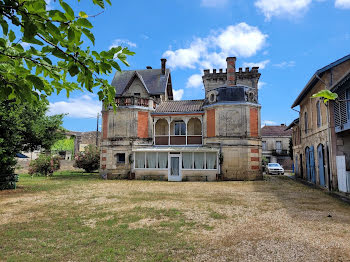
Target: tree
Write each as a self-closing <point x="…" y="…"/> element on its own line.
<point x="22" y="127"/>
<point x="56" y="59"/>
<point x="291" y="148"/>
<point x="326" y="95"/>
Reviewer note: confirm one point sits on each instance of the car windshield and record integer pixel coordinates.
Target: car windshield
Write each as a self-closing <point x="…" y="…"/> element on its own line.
<point x="274" y="165"/>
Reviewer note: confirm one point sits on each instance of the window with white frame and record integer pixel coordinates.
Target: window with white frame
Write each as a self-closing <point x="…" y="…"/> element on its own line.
<point x="180" y="128"/>
<point x="152" y="160"/>
<point x="264" y="145"/>
<point x="190" y="160"/>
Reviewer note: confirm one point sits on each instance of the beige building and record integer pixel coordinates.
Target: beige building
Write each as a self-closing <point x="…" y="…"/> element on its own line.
<point x="151" y="136"/>
<point x="319" y="140"/>
<point x="275" y="145"/>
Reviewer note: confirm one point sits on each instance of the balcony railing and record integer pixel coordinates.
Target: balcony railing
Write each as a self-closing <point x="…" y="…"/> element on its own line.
<point x="134" y="101"/>
<point x="163" y="140"/>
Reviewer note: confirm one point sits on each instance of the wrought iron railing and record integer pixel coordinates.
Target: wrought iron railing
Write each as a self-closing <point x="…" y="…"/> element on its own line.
<point x="134" y="101"/>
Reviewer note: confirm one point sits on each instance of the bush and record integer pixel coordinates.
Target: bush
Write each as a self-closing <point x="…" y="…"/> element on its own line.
<point x="88" y="160"/>
<point x="44" y="165"/>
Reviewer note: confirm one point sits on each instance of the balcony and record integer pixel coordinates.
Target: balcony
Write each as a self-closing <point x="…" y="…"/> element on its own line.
<point x="178" y="140"/>
<point x="182" y="132"/>
<point x="134" y="101"/>
<point x="280" y="152"/>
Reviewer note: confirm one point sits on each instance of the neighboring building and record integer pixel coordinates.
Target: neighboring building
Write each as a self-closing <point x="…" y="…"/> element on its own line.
<point x="152" y="136"/>
<point x="84" y="139"/>
<point x="316" y="142"/>
<point x="275" y="145"/>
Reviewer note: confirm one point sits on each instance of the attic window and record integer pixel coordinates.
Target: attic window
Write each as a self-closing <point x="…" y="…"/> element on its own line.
<point x="137" y="94"/>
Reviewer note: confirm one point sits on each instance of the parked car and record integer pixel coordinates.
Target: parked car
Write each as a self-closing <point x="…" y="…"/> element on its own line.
<point x="274" y="169"/>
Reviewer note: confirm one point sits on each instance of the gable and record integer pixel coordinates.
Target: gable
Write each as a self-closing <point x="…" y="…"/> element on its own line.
<point x="136" y="86"/>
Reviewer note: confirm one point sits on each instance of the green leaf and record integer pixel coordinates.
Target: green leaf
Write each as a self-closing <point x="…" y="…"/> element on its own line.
<point x="30" y="30"/>
<point x="89" y="35"/>
<point x="12" y="36"/>
<point x="5" y="27"/>
<point x="73" y="70"/>
<point x="57" y="15"/>
<point x="83" y="22"/>
<point x="101" y="3"/>
<point x="71" y="35"/>
<point x="326" y="95"/>
<point x="36" y="81"/>
<point x="53" y="30"/>
<point x="68" y="9"/>
<point x="83" y="14"/>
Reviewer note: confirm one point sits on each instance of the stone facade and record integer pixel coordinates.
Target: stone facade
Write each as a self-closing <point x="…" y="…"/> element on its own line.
<point x="314" y="138"/>
<point x="150" y="136"/>
<point x="275" y="145"/>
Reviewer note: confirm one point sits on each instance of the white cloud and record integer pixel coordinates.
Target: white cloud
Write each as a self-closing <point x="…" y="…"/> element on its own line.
<point x="240" y="40"/>
<point x="261" y="64"/>
<point x="268" y="123"/>
<point x="194" y="81"/>
<point x="178" y="94"/>
<point x="122" y="42"/>
<point x="285" y="64"/>
<point x="261" y="84"/>
<point x="144" y="37"/>
<point x="186" y="57"/>
<point x="280" y="8"/>
<point x="83" y="107"/>
<point x="48" y="4"/>
<point x="343" y="4"/>
<point x="213" y="3"/>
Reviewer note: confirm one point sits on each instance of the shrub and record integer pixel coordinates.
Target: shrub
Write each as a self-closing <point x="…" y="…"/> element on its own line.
<point x="88" y="160"/>
<point x="44" y="165"/>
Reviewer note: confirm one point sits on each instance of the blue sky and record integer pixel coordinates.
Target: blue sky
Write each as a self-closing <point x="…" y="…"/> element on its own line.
<point x="288" y="39"/>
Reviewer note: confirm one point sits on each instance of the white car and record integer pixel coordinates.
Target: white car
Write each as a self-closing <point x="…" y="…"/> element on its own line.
<point x="274" y="168"/>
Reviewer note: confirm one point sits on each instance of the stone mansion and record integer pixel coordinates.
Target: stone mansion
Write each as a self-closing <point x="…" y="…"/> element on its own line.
<point x="152" y="136"/>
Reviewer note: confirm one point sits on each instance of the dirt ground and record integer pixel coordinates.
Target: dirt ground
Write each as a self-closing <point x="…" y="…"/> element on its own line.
<point x="70" y="218"/>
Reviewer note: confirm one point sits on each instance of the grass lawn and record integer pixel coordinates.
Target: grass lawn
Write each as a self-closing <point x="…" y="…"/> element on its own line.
<point x="79" y="217"/>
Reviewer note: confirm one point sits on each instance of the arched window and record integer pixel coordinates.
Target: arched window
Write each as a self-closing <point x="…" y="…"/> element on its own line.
<point x="305" y="122"/>
<point x="318" y="109"/>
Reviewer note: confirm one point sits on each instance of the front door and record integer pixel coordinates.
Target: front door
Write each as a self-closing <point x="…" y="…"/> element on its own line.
<point x="174" y="173"/>
<point x="321" y="165"/>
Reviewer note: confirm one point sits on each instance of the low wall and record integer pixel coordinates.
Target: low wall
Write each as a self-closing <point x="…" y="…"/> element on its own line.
<point x="23" y="166"/>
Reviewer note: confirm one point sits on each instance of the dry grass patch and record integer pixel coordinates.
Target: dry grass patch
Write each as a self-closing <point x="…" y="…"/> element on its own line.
<point x="79" y="217"/>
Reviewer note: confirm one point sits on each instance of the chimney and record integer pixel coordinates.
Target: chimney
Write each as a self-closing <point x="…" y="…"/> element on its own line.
<point x="149" y="67"/>
<point x="231" y="71"/>
<point x="163" y="60"/>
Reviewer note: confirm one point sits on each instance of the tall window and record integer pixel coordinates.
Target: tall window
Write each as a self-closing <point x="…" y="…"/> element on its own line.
<point x="318" y="109"/>
<point x="305" y="122"/>
<point x="264" y="145"/>
<point x="278" y="146"/>
<point x="180" y="128"/>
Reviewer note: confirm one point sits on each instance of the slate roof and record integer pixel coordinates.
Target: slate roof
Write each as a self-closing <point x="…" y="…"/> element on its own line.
<point x="275" y="131"/>
<point x="180" y="106"/>
<point x="153" y="79"/>
<point x="314" y="79"/>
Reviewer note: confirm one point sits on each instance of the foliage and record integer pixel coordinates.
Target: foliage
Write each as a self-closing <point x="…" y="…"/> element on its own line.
<point x="291" y="148"/>
<point x="56" y="58"/>
<point x="64" y="145"/>
<point x="88" y="160"/>
<point x="44" y="165"/>
<point x="25" y="127"/>
<point x="326" y="95"/>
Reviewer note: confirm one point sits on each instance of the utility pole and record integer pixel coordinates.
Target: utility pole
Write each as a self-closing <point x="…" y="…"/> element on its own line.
<point x="98" y="117"/>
